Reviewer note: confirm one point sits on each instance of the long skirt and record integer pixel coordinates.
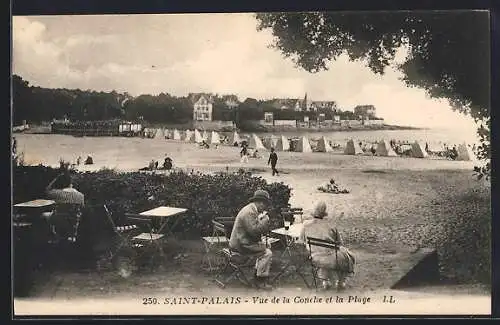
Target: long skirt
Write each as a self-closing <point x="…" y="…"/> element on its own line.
<point x="342" y="261"/>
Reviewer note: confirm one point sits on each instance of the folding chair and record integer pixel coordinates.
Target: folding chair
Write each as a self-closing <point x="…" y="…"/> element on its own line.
<point x="312" y="241"/>
<point x="217" y="240"/>
<point x="66" y="222"/>
<point x="238" y="265"/>
<point x="148" y="239"/>
<point x="122" y="234"/>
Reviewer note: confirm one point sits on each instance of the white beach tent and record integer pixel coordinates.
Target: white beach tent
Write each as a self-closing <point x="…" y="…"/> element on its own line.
<point x="256" y="143"/>
<point x="197" y="136"/>
<point x="385" y="149"/>
<point x="282" y="144"/>
<point x="418" y="150"/>
<point x="352" y="148"/>
<point x="214" y="138"/>
<point x="188" y="136"/>
<point x="323" y="145"/>
<point x="160" y="134"/>
<point x="234" y="138"/>
<point x="176" y="135"/>
<point x="270" y="141"/>
<point x="464" y="152"/>
<point x="205" y="135"/>
<point x="303" y="145"/>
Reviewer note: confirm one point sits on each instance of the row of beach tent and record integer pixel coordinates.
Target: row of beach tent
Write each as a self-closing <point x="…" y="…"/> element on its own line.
<point x="282" y="143"/>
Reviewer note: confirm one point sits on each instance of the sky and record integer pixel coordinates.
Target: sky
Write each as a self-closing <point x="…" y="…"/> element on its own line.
<point x="218" y="53"/>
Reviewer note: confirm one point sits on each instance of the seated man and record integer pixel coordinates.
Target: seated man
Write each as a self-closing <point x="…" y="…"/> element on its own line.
<point x="69" y="201"/>
<point x="250" y="224"/>
<point x="342" y="261"/>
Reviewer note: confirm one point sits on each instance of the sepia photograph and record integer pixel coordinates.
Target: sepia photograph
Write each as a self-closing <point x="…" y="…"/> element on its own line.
<point x="322" y="163"/>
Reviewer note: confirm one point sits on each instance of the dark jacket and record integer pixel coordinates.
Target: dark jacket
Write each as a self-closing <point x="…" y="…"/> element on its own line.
<point x="273" y="158"/>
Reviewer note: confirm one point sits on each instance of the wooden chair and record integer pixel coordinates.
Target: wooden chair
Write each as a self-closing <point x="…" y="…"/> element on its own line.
<point x="148" y="238"/>
<point x="219" y="239"/>
<point x="65" y="222"/>
<point x="312" y="241"/>
<point x="122" y="233"/>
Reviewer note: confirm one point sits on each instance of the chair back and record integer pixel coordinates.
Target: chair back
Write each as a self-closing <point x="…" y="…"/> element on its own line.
<point x="143" y="222"/>
<point x="219" y="229"/>
<point x="312" y="241"/>
<point x="109" y="216"/>
<point x="227" y="222"/>
<point x="70" y="214"/>
<point x="289" y="213"/>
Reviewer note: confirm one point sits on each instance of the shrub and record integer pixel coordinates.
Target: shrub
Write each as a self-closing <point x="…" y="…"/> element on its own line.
<point x="205" y="196"/>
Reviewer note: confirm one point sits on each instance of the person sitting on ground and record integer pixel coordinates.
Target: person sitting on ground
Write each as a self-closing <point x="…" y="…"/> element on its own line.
<point x="328" y="260"/>
<point x="89" y="160"/>
<point x="167" y="164"/>
<point x="250" y="224"/>
<point x="255" y="154"/>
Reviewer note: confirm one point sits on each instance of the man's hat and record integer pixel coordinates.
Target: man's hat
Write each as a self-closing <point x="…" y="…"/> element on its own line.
<point x="261" y="195"/>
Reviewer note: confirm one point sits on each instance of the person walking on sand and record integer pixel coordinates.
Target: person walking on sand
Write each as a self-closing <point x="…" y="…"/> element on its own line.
<point x="327" y="260"/>
<point x="273" y="159"/>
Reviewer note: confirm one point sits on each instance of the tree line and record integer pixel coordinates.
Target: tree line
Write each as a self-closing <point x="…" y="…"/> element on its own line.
<point x="37" y="104"/>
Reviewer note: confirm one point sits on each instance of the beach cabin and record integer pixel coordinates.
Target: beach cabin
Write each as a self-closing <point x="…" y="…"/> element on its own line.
<point x="188" y="136"/>
<point x="159" y="134"/>
<point x="323" y="145"/>
<point x="256" y="143"/>
<point x="197" y="136"/>
<point x="418" y="150"/>
<point x="214" y="138"/>
<point x="464" y="152"/>
<point x="234" y="139"/>
<point x="352" y="148"/>
<point x="384" y="149"/>
<point x="176" y="135"/>
<point x="282" y="144"/>
<point x="303" y="145"/>
<point x="270" y="141"/>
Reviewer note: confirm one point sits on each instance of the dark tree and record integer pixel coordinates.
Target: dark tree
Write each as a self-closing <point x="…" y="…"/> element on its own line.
<point x="448" y="52"/>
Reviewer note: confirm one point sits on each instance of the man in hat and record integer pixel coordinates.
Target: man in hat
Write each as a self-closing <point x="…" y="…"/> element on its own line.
<point x="327" y="260"/>
<point x="246" y="237"/>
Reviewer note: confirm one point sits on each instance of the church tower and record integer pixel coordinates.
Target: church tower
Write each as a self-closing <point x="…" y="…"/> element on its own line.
<point x="304" y="104"/>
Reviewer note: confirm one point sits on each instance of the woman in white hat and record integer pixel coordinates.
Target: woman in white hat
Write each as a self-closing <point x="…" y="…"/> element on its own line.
<point x="341" y="262"/>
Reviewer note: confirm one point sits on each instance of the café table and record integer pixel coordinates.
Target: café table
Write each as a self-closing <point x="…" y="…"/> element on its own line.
<point x="165" y="214"/>
<point x="293" y="251"/>
<point x="33" y="208"/>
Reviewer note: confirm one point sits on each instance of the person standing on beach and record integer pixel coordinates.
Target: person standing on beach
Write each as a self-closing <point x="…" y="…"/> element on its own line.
<point x="244" y="154"/>
<point x="273" y="159"/>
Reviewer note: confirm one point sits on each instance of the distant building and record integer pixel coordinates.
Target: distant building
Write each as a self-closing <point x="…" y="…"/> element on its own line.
<point x="325" y="105"/>
<point x="303" y="105"/>
<point x="202" y="106"/>
<point x="365" y="111"/>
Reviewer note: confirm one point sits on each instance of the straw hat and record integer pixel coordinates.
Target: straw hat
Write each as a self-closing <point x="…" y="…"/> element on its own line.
<point x="319" y="210"/>
<point x="261" y="195"/>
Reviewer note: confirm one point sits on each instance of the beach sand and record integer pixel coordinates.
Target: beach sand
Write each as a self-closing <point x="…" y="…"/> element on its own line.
<point x="394" y="203"/>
